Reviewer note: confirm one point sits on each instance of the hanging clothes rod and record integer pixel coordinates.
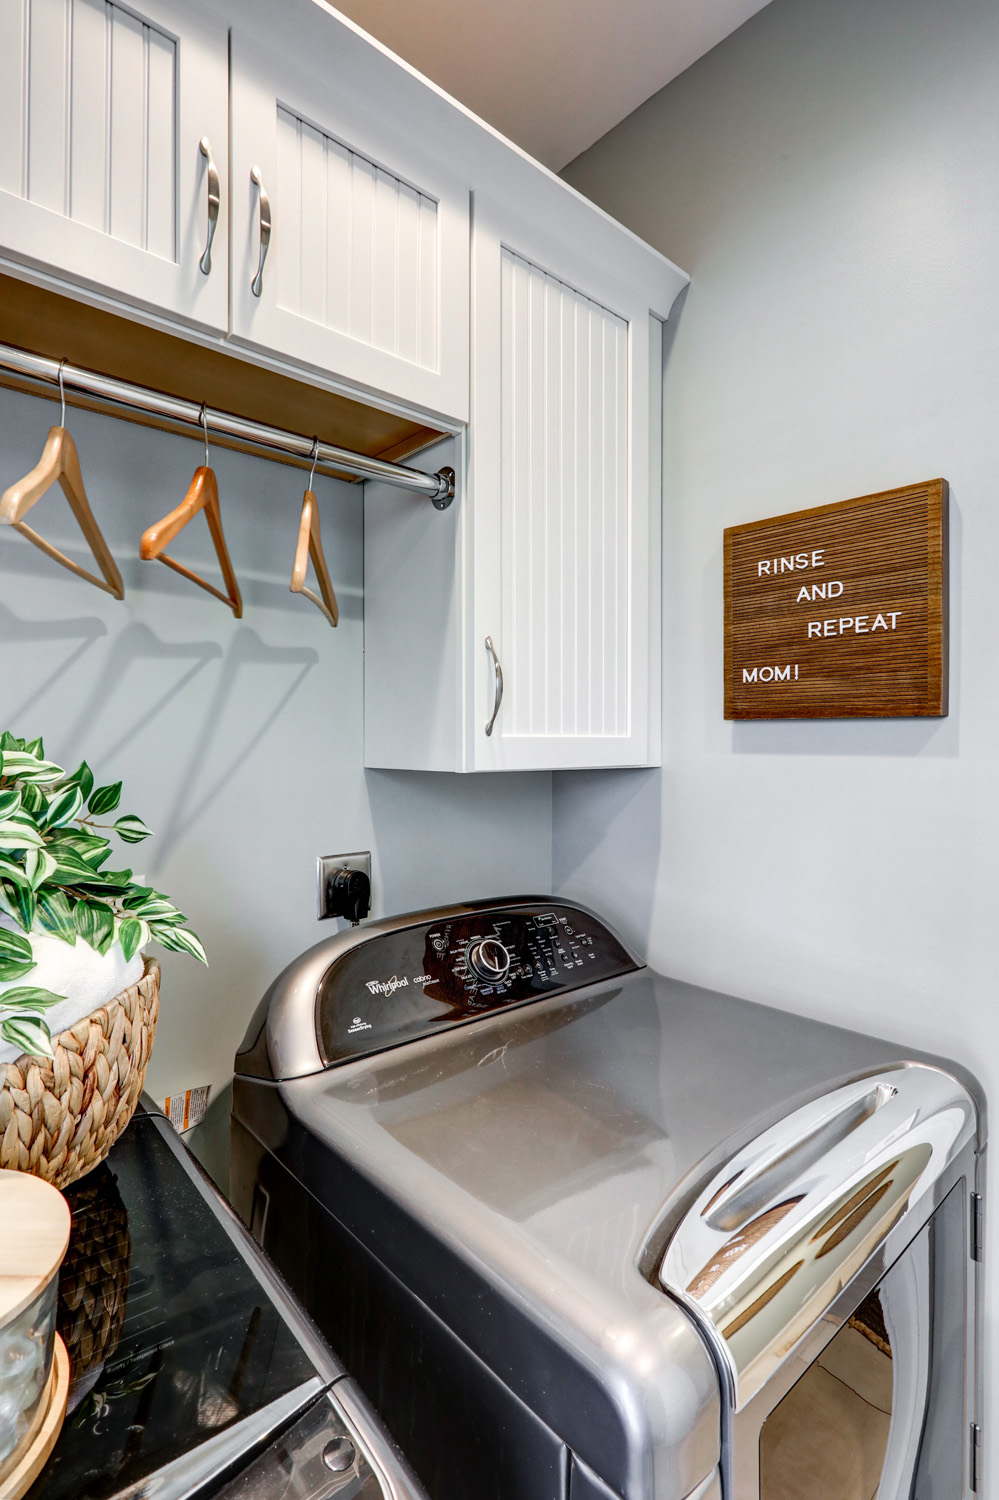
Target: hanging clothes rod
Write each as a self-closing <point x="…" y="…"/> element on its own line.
<point x="438" y="488"/>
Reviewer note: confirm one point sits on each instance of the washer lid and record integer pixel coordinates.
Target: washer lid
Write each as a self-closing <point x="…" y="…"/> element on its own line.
<point x="783" y="1226"/>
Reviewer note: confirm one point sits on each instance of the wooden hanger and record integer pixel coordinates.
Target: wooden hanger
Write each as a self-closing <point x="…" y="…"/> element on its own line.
<point x="203" y="494"/>
<point x="310" y="544"/>
<point x="60" y="461"/>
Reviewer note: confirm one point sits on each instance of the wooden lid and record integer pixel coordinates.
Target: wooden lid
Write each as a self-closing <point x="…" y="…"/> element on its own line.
<point x="36" y="1221"/>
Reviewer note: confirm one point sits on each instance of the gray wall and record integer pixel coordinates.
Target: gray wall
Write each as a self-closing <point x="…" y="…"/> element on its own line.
<point x="239" y="742"/>
<point x="829" y="176"/>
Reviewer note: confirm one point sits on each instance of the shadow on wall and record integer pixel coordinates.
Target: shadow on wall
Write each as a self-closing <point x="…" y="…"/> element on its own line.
<point x="246" y="649"/>
<point x="597" y="811"/>
<point x="137" y="645"/>
<point x="86" y="629"/>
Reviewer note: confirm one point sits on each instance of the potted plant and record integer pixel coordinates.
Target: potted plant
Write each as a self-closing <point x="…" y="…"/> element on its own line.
<point x="72" y="935"/>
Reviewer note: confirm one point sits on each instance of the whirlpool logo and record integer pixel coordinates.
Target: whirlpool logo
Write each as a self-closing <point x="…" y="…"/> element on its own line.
<point x="387" y="986"/>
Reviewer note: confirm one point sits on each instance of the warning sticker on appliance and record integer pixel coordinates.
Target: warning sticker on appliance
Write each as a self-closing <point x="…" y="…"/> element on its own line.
<point x="186" y="1110"/>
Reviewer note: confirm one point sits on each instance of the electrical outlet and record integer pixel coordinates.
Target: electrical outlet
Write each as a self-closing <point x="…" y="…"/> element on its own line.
<point x="329" y="890"/>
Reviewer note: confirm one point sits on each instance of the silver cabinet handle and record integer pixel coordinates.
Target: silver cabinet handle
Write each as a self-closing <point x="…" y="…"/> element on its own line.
<point x="498" y="677"/>
<point x="256" y="285"/>
<point x="214" y="200"/>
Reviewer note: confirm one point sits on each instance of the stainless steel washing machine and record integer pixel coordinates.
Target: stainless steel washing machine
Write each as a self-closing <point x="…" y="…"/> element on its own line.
<point x="582" y="1231"/>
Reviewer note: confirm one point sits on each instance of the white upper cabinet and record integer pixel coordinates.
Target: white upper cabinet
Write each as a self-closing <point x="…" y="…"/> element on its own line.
<point x="520" y="630"/>
<point x="103" y="177"/>
<point x="563" y="508"/>
<point x="350" y="247"/>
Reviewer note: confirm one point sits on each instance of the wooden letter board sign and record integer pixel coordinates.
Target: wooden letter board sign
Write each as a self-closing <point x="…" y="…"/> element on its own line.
<point x="840" y="612"/>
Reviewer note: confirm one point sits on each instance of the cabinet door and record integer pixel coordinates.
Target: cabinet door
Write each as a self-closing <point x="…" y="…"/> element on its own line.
<point x="366" y="270"/>
<point x="564" y="524"/>
<point x="102" y="179"/>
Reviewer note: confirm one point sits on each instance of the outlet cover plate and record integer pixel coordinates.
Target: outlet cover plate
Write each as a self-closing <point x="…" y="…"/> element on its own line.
<point x="330" y="865"/>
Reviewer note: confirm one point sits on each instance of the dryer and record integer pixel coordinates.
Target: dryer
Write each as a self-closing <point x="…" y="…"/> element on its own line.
<point x="582" y="1231"/>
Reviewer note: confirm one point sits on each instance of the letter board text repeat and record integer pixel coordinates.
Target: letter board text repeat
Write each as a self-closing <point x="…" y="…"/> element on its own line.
<point x="840" y="612"/>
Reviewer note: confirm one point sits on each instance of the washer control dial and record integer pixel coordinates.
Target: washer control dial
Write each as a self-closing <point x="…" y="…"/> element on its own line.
<point x="489" y="960"/>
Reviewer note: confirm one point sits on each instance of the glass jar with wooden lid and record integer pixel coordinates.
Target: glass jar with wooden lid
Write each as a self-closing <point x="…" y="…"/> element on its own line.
<point x="34" y="1368"/>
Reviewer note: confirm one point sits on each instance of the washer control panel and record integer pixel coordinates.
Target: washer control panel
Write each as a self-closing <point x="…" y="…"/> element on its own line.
<point x="420" y="979"/>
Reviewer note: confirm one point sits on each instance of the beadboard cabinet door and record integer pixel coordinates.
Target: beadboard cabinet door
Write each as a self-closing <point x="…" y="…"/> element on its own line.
<point x="551" y="551"/>
<point x="350" y="250"/>
<point x="103" y="182"/>
<point x="564" y="479"/>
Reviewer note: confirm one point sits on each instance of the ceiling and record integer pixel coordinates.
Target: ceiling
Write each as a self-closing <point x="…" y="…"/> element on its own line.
<point x="552" y="75"/>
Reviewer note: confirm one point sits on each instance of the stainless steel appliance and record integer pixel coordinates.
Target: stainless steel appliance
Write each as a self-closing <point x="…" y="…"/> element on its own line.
<point x="194" y="1373"/>
<point x="585" y="1231"/>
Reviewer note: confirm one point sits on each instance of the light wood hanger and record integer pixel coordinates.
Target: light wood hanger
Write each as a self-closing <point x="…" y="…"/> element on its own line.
<point x="202" y="494"/>
<point x="310" y="544"/>
<point x="60" y="461"/>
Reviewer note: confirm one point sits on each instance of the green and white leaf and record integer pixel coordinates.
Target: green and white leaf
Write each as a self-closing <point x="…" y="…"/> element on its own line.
<point x="39" y="864"/>
<point x="16" y="957"/>
<point x="18" y="765"/>
<point x="101" y="885"/>
<point x="132" y="829"/>
<point x="29" y="1033"/>
<point x="105" y="799"/>
<point x="29" y="997"/>
<point x="62" y="808"/>
<point x="6" y="904"/>
<point x="72" y="870"/>
<point x="11" y="970"/>
<point x="130" y="936"/>
<point x="22" y="904"/>
<point x="105" y="929"/>
<point x="19" y="832"/>
<point x="87" y="846"/>
<point x="137" y="895"/>
<point x="10" y="802"/>
<point x="83" y="777"/>
<point x="11" y="870"/>
<point x="54" y="914"/>
<point x="32" y="797"/>
<point x="94" y="922"/>
<point x="155" y="908"/>
<point x="179" y="940"/>
<point x="13" y="945"/>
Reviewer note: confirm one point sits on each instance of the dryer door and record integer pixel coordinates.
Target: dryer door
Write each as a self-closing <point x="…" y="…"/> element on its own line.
<point x="880" y="1410"/>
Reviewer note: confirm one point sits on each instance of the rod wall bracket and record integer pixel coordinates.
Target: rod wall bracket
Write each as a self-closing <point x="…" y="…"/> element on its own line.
<point x="445" y="494"/>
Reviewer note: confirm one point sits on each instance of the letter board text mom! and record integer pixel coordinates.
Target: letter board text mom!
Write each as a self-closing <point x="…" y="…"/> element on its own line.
<point x="840" y="612"/>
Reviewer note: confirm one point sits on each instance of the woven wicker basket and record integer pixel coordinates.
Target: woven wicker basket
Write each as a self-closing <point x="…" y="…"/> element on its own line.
<point x="59" y="1119"/>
